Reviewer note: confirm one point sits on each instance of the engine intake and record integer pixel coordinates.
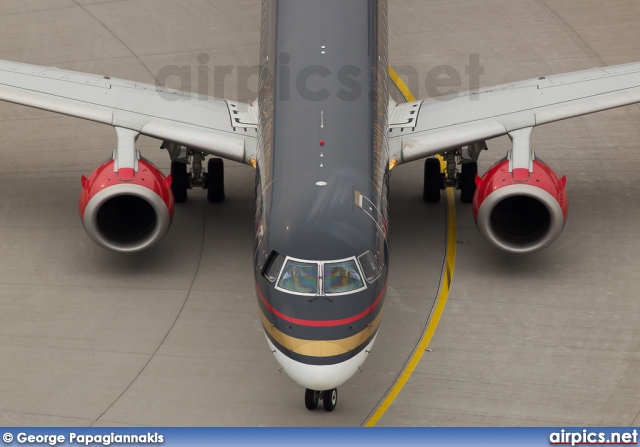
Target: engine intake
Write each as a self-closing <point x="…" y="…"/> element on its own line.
<point x="126" y="215"/>
<point x="520" y="216"/>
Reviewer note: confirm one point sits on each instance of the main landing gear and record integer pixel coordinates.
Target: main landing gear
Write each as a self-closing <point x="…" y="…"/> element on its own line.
<point x="329" y="399"/>
<point x="182" y="180"/>
<point x="464" y="179"/>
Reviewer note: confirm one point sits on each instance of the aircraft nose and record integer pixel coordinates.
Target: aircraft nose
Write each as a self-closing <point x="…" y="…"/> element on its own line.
<point x="320" y="377"/>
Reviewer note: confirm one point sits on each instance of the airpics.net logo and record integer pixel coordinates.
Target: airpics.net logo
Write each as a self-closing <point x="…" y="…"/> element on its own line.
<point x="204" y="79"/>
<point x="592" y="437"/>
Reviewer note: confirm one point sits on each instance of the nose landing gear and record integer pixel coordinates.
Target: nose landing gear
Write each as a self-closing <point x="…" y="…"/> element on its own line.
<point x="329" y="399"/>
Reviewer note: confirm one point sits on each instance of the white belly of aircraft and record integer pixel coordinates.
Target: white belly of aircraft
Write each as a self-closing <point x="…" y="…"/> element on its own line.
<point x="320" y="377"/>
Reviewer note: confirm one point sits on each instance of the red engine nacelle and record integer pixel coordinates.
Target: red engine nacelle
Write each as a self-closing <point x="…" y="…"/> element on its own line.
<point x="520" y="211"/>
<point x="126" y="211"/>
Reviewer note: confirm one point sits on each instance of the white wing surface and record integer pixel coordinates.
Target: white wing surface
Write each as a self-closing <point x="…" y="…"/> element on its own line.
<point x="222" y="128"/>
<point x="424" y="128"/>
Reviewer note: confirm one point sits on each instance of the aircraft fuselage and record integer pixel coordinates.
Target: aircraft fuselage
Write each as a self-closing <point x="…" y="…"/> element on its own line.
<point x="321" y="254"/>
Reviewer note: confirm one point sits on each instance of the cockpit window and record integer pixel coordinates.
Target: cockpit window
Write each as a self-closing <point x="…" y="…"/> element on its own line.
<point x="370" y="267"/>
<point x="341" y="277"/>
<point x="274" y="265"/>
<point x="299" y="277"/>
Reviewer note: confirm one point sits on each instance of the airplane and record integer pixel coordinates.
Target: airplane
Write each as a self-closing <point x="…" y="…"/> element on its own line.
<point x="323" y="137"/>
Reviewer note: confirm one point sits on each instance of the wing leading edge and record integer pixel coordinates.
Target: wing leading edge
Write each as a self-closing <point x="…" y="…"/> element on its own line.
<point x="423" y="128"/>
<point x="222" y="128"/>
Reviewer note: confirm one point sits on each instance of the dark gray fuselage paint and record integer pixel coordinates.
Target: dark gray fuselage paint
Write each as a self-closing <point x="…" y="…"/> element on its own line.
<point x="323" y="78"/>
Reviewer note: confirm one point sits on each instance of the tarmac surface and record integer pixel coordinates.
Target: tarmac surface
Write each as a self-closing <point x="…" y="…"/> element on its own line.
<point x="172" y="336"/>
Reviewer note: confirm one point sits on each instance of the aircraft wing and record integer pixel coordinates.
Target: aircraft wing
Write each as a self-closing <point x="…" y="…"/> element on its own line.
<point x="423" y="128"/>
<point x="223" y="128"/>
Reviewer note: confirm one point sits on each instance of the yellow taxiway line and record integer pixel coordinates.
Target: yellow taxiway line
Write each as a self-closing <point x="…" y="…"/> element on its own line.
<point x="397" y="80"/>
<point x="443" y="295"/>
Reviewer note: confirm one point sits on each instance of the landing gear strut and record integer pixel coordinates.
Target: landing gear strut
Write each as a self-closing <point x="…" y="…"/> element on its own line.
<point x="183" y="179"/>
<point x="329" y="399"/>
<point x="462" y="178"/>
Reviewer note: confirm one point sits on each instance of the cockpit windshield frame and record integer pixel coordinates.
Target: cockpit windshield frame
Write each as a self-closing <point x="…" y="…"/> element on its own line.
<point x="357" y="275"/>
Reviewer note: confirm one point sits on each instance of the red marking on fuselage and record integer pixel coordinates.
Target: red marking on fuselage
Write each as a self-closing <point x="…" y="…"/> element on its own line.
<point x="322" y="323"/>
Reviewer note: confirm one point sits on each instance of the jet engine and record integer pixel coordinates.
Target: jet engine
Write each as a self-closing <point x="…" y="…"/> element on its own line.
<point x="520" y="210"/>
<point x="126" y="210"/>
